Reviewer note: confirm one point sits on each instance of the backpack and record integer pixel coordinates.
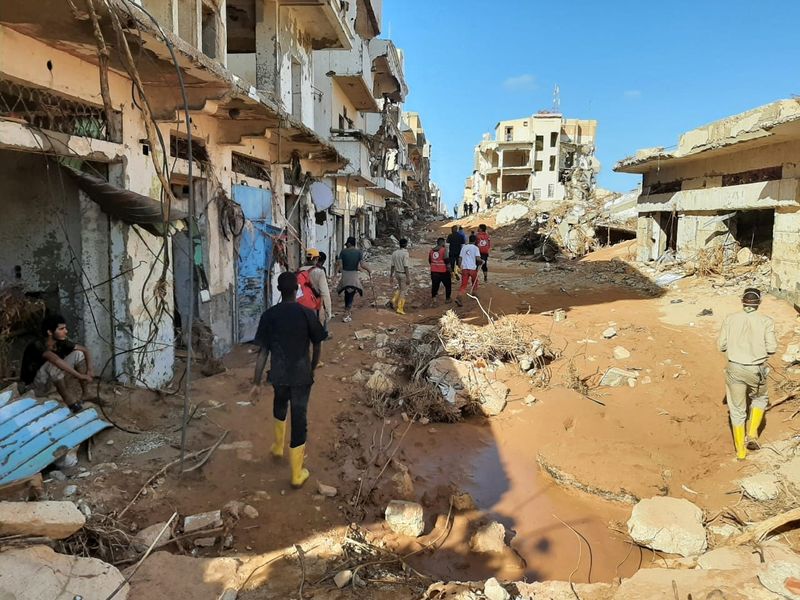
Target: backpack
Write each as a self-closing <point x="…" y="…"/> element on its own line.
<point x="306" y="294"/>
<point x="483" y="242"/>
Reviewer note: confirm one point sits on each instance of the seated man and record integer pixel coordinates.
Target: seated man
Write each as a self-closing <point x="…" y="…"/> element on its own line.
<point x="47" y="360"/>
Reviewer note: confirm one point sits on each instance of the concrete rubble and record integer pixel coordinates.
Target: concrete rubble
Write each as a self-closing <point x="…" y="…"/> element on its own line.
<point x="672" y="525"/>
<point x="489" y="539"/>
<point x="405" y="518"/>
<point x="55" y="520"/>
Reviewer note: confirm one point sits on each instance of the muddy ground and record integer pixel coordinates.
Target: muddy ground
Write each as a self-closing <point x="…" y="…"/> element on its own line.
<point x="566" y="458"/>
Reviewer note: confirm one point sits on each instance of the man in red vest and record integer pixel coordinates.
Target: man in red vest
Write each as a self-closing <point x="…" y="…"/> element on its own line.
<point x="484" y="245"/>
<point x="440" y="271"/>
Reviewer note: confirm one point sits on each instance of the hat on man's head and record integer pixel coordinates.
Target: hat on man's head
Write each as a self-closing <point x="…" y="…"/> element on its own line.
<point x="751" y="297"/>
<point x="312" y="253"/>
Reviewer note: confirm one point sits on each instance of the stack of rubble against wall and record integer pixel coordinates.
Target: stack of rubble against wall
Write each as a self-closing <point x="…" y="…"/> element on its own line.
<point x="261" y="183"/>
<point x="727" y="199"/>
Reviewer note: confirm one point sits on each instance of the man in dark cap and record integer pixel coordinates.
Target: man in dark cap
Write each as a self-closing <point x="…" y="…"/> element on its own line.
<point x="285" y="332"/>
<point x="748" y="340"/>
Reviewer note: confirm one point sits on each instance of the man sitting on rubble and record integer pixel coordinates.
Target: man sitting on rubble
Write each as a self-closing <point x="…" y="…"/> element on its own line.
<point x="48" y="360"/>
<point x="748" y="339"/>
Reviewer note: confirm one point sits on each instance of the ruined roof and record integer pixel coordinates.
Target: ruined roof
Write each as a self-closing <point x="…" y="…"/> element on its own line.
<point x="756" y="124"/>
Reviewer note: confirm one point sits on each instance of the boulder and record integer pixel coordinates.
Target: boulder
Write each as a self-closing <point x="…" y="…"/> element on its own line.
<point x="672" y="525"/>
<point x="744" y="256"/>
<point x="405" y="518"/>
<point x="56" y="520"/>
<point x="494" y="591"/>
<point x="150" y="535"/>
<point x="510" y="213"/>
<point x="729" y="558"/>
<point x="761" y="487"/>
<point x="38" y="573"/>
<point x="489" y="539"/>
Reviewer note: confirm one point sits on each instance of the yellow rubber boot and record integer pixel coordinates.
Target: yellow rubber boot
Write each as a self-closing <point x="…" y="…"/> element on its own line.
<point x="280" y="438"/>
<point x="401" y="306"/>
<point x="738" y="442"/>
<point x="299" y="474"/>
<point x="395" y="298"/>
<point x="756" y="416"/>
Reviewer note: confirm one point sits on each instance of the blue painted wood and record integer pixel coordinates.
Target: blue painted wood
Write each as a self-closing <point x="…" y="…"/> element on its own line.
<point x="255" y="258"/>
<point x="34" y="433"/>
<point x="5" y="397"/>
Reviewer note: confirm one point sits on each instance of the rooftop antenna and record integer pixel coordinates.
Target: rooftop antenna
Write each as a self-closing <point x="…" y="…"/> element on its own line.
<point x="556" y="99"/>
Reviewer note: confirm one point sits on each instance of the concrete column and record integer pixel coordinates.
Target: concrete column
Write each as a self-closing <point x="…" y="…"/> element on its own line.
<point x="785" y="258"/>
<point x="267" y="76"/>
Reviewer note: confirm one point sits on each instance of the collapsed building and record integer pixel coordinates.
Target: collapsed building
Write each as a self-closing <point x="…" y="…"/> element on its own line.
<point x="130" y="223"/>
<point x="729" y="185"/>
<point x="543" y="158"/>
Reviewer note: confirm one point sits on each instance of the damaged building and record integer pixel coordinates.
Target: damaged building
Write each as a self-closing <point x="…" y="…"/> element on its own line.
<point x="541" y="158"/>
<point x="729" y="185"/>
<point x="127" y="222"/>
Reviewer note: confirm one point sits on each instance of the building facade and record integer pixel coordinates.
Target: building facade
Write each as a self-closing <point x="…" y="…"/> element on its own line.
<point x="731" y="184"/>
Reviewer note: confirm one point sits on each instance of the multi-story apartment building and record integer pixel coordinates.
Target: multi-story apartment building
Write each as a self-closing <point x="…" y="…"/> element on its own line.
<point x="149" y="144"/>
<point x="532" y="158"/>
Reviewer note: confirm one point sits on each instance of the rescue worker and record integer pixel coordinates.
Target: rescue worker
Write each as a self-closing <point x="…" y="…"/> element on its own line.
<point x="285" y="333"/>
<point x="400" y="273"/>
<point x="454" y="243"/>
<point x="312" y="287"/>
<point x="348" y="264"/>
<point x="484" y="243"/>
<point x="468" y="262"/>
<point x="440" y="271"/>
<point x="748" y="339"/>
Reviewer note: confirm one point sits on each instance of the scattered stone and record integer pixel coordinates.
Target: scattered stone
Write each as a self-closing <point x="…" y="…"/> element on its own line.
<point x="729" y="558"/>
<point x="206" y="520"/>
<point x="38" y="572"/>
<point x="69" y="491"/>
<point x="610" y="333"/>
<point x="342" y="578"/>
<point x="724" y="531"/>
<point x="525" y="363"/>
<point x="326" y="490"/>
<point x="58" y="475"/>
<point x="559" y="315"/>
<point x="56" y="520"/>
<point x="706" y="312"/>
<point x="761" y="487"/>
<point x="616" y="377"/>
<point x="463" y="501"/>
<point x="421" y="331"/>
<point x="234" y="508"/>
<point x="672" y="525"/>
<point x="381" y="340"/>
<point x="405" y="518"/>
<point x="205" y="542"/>
<point x="364" y="334"/>
<point x="744" y="256"/>
<point x="529" y="400"/>
<point x="494" y="591"/>
<point x="150" y="535"/>
<point x="84" y="508"/>
<point x="646" y="380"/>
<point x="381" y="383"/>
<point x="621" y="353"/>
<point x="250" y="512"/>
<point x="489" y="539"/>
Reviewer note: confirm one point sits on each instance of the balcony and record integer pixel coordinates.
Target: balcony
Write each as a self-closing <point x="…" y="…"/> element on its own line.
<point x="352" y="71"/>
<point x="356" y="152"/>
<point x="324" y="21"/>
<point x="388" y="71"/>
<point x="387" y="188"/>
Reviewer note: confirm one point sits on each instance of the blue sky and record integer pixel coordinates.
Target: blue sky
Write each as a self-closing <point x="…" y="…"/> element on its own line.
<point x="647" y="71"/>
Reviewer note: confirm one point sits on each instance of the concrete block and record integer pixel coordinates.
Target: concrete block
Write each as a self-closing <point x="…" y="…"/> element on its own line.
<point x="56" y="520"/>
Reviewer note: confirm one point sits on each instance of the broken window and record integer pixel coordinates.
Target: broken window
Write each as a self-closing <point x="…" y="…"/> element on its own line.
<point x="537" y="193"/>
<point x="297" y="90"/>
<point x="551" y="190"/>
<point x="754" y="229"/>
<point x="667" y="187"/>
<point x="209" y="31"/>
<point x="553" y="139"/>
<point x="538" y="166"/>
<point x="753" y="176"/>
<point x="179" y="148"/>
<point x="553" y="163"/>
<point x="539" y="142"/>
<point x="569" y="160"/>
<point x="250" y="167"/>
<point x="509" y="134"/>
<point x="240" y="29"/>
<point x="344" y="121"/>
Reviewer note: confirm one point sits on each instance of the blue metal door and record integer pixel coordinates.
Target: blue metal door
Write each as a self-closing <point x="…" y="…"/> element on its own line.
<point x="255" y="258"/>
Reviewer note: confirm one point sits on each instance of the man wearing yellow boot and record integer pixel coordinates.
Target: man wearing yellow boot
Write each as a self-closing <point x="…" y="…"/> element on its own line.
<point x="748" y="339"/>
<point x="285" y="331"/>
<point x="400" y="274"/>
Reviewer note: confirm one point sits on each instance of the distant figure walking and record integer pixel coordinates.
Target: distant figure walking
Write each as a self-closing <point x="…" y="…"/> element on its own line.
<point x="401" y="275"/>
<point x="440" y="271"/>
<point x="349" y="262"/>
<point x="484" y="246"/>
<point x="748" y="339"/>
<point x="469" y="261"/>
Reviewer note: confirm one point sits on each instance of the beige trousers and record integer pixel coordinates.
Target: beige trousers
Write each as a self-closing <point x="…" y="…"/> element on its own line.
<point x="48" y="373"/>
<point x="400" y="278"/>
<point x="741" y="382"/>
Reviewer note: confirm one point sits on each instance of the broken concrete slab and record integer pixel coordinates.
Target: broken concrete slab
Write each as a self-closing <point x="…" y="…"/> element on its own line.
<point x="206" y="520"/>
<point x="381" y="340"/>
<point x="563" y="590"/>
<point x="165" y="576"/>
<point x="610" y="333"/>
<point x="773" y="575"/>
<point x="729" y="558"/>
<point x="53" y="519"/>
<point x="616" y="377"/>
<point x="37" y="572"/>
<point x="405" y="518"/>
<point x="420" y="332"/>
<point x="761" y="487"/>
<point x="659" y="584"/>
<point x="489" y="539"/>
<point x="469" y="384"/>
<point x="621" y="353"/>
<point x="672" y="525"/>
<point x="364" y="334"/>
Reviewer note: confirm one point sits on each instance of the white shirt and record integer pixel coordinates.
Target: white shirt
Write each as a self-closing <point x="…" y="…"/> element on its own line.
<point x="468" y="255"/>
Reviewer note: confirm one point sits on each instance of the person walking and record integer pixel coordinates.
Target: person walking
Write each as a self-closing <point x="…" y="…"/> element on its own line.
<point x="312" y="287"/>
<point x="748" y="340"/>
<point x="348" y="264"/>
<point x="440" y="271"/>
<point x="454" y="244"/>
<point x="463" y="234"/>
<point x="484" y="246"/>
<point x="469" y="261"/>
<point x="285" y="333"/>
<point x="400" y="273"/>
